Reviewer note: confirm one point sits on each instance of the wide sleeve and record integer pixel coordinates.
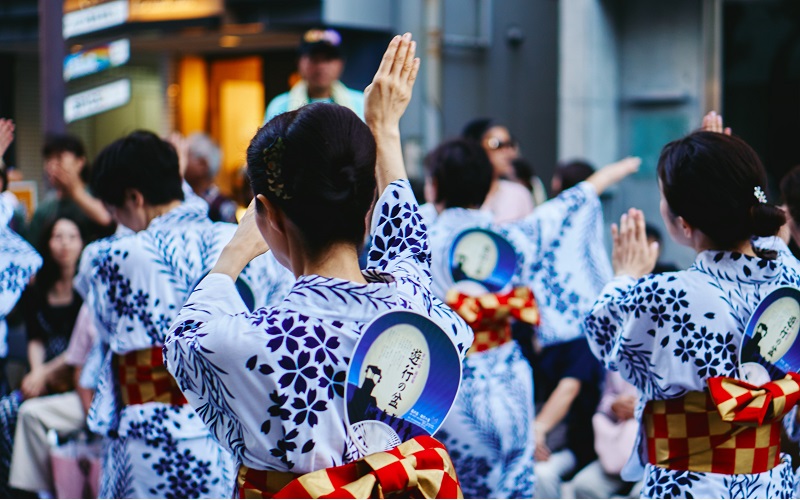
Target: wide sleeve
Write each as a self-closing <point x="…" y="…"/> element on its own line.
<point x="399" y="236"/>
<point x="622" y="332"/>
<point x="207" y="350"/>
<point x="565" y="261"/>
<point x="18" y="263"/>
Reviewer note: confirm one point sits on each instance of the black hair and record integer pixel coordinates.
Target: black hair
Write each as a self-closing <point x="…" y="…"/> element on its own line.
<point x="55" y="144"/>
<point x="50" y="271"/>
<point x="477" y="128"/>
<point x="524" y="171"/>
<point x="573" y="172"/>
<point x="317" y="165"/>
<point x="790" y="192"/>
<point x="710" y="180"/>
<point x="462" y="172"/>
<point x="141" y="161"/>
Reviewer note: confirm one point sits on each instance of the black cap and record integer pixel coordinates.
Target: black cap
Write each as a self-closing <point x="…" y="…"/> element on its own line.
<point x="325" y="42"/>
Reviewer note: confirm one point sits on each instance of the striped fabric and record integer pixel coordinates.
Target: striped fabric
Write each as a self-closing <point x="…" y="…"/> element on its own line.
<point x="143" y="378"/>
<point x="733" y="428"/>
<point x="418" y="468"/>
<point x="489" y="315"/>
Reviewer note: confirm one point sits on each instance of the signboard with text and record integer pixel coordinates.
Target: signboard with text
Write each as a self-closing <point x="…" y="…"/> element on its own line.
<point x="96" y="59"/>
<point x="97" y="100"/>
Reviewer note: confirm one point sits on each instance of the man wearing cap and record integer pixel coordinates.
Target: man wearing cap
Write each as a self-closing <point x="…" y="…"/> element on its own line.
<point x="320" y="66"/>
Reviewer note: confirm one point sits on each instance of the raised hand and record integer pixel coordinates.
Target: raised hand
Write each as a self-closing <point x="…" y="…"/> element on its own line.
<point x="632" y="255"/>
<point x="712" y="122"/>
<point x="386" y="98"/>
<point x="614" y="172"/>
<point x="247" y="244"/>
<point x="6" y="135"/>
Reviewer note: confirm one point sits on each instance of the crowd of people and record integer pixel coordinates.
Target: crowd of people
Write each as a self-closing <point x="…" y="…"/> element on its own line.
<point x="210" y="356"/>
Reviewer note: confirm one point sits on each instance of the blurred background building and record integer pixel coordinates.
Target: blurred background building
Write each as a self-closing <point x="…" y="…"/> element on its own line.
<point x="593" y="79"/>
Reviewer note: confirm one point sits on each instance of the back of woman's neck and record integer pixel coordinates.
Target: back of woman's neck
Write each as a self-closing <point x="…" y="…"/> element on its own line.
<point x="340" y="260"/>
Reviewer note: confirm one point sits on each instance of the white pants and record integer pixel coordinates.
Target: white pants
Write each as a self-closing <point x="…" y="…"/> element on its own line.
<point x="549" y="474"/>
<point x="593" y="482"/>
<point x="30" y="461"/>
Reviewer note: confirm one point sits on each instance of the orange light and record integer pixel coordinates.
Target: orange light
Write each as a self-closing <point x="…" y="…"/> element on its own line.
<point x="230" y="41"/>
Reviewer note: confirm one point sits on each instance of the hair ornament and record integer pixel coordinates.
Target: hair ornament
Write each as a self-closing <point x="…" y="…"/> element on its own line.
<point x="759" y="194"/>
<point x="273" y="154"/>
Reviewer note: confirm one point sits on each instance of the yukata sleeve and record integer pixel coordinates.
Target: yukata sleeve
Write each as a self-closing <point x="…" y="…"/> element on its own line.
<point x="399" y="236"/>
<point x="623" y="333"/>
<point x="207" y="350"/>
<point x="18" y="263"/>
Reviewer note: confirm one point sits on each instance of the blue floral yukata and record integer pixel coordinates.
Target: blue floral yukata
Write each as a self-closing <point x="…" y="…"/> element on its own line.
<point x="18" y="263"/>
<point x="668" y="333"/>
<point x="135" y="284"/>
<point x="560" y="256"/>
<point x="270" y="384"/>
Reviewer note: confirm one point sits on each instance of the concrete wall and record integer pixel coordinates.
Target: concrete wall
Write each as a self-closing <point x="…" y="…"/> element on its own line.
<point x="632" y="78"/>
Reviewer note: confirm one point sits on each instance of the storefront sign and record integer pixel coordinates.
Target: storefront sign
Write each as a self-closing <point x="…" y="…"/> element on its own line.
<point x="95" y="18"/>
<point x="97" y="59"/>
<point x="171" y="10"/>
<point x="91" y="102"/>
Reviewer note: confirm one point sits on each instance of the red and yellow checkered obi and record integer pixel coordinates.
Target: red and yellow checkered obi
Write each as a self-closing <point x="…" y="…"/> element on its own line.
<point x="143" y="378"/>
<point x="418" y="468"/>
<point x="732" y="428"/>
<point x="490" y="315"/>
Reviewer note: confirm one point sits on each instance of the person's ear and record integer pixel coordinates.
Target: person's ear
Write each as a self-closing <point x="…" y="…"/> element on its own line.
<point x="134" y="198"/>
<point x="685" y="227"/>
<point x="273" y="215"/>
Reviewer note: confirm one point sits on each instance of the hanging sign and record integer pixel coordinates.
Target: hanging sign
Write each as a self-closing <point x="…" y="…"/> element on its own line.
<point x="96" y="59"/>
<point x="97" y="100"/>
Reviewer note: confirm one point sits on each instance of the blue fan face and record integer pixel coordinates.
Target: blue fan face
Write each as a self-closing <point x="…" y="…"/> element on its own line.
<point x="483" y="257"/>
<point x="245" y="292"/>
<point x="770" y="337"/>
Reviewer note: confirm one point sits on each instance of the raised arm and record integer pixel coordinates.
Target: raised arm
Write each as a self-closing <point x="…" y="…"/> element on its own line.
<point x="385" y="101"/>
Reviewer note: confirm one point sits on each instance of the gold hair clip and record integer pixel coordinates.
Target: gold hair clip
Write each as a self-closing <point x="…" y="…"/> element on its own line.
<point x="272" y="159"/>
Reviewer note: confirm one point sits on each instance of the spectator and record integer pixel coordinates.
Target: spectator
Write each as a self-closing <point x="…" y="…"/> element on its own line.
<point x="202" y="167"/>
<point x="569" y="174"/>
<point x="320" y="65"/>
<point x="67" y="170"/>
<point x="508" y="200"/>
<point x="615" y="431"/>
<point x="66" y="413"/>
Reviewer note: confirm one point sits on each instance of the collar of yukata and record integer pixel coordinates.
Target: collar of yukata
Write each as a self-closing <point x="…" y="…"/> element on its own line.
<point x="351" y="301"/>
<point x="182" y="212"/>
<point x="738" y="267"/>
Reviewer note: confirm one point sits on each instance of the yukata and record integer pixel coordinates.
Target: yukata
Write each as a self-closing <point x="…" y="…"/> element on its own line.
<point x="270" y="384"/>
<point x="18" y="263"/>
<point x="136" y="283"/>
<point x="667" y="334"/>
<point x="561" y="258"/>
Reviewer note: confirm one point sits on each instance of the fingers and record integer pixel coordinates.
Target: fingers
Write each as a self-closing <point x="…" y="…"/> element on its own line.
<point x="398" y="65"/>
<point x="414" y="71"/>
<point x="385" y="68"/>
<point x="408" y="63"/>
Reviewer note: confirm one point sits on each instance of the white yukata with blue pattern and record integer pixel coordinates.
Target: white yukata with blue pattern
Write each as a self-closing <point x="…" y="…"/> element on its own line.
<point x="270" y="384"/>
<point x="668" y="333"/>
<point x="18" y="263"/>
<point x="135" y="284"/>
<point x="561" y="257"/>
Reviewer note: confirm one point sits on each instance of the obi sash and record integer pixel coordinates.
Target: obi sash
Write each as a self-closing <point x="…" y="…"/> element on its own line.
<point x="732" y="428"/>
<point x="143" y="378"/>
<point x="418" y="468"/>
<point x="489" y="315"/>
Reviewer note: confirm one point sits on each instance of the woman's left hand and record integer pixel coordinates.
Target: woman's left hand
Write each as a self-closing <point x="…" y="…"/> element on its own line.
<point x="632" y="255"/>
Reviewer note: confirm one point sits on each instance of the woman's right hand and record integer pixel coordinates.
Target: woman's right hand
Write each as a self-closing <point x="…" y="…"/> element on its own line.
<point x="613" y="173"/>
<point x="387" y="97"/>
<point x="632" y="255"/>
<point x="247" y="244"/>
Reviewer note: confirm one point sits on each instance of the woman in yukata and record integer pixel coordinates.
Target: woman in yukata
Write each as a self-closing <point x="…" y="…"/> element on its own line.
<point x="677" y="336"/>
<point x="270" y="384"/>
<point x="559" y="245"/>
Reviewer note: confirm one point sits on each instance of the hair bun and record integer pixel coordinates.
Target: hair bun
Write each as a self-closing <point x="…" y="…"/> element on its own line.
<point x="766" y="219"/>
<point x="342" y="185"/>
